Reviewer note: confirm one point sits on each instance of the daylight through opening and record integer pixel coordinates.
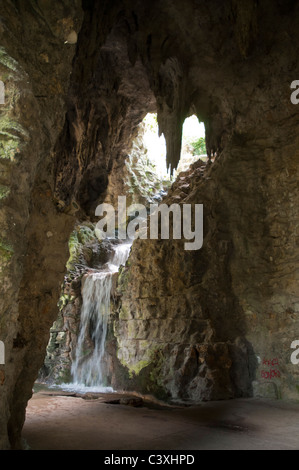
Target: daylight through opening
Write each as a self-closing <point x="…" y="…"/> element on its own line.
<point x="193" y="144"/>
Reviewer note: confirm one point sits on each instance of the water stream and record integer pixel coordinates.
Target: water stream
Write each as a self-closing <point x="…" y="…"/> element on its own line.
<point x="88" y="368"/>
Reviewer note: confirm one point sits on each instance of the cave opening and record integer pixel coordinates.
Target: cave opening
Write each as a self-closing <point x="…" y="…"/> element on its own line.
<point x="193" y="144"/>
<point x="78" y="335"/>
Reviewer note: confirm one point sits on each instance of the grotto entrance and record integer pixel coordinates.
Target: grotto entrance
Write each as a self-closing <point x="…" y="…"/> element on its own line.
<point x="78" y="358"/>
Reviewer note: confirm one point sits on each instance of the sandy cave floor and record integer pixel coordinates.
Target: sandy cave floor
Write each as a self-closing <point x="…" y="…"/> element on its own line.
<point x="58" y="421"/>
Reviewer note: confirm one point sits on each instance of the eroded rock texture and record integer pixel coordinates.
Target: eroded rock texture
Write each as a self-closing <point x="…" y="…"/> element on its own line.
<point x="71" y="111"/>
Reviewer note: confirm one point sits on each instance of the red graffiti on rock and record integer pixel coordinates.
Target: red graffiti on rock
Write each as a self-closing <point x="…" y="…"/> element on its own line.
<point x="270" y="362"/>
<point x="272" y="373"/>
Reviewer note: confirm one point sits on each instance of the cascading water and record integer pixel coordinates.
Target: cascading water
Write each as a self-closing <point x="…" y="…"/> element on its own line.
<point x="88" y="366"/>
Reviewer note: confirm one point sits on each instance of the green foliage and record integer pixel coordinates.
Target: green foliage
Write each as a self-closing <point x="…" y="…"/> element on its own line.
<point x="8" y="61"/>
<point x="79" y="237"/>
<point x="4" y="191"/>
<point x="199" y="146"/>
<point x="6" y="249"/>
<point x="11" y="136"/>
<point x="151" y="122"/>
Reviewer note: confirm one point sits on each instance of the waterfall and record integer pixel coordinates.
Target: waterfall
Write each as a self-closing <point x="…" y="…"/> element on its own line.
<point x="88" y="368"/>
<point x="120" y="256"/>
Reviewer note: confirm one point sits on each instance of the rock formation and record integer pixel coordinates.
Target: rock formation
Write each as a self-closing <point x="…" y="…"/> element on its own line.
<point x="79" y="77"/>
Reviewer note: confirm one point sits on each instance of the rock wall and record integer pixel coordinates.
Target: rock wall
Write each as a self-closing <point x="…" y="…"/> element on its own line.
<point x="35" y="68"/>
<point x="177" y="323"/>
<point x="242" y="292"/>
<point x="208" y="324"/>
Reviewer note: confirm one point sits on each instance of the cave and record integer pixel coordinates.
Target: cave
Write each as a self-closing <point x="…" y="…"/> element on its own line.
<point x="218" y="323"/>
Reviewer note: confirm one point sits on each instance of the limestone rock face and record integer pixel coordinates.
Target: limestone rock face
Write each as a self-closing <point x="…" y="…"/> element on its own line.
<point x="79" y="78"/>
<point x="211" y="324"/>
<point x="218" y="322"/>
<point x="177" y="318"/>
<point x="35" y="67"/>
<point x="136" y="177"/>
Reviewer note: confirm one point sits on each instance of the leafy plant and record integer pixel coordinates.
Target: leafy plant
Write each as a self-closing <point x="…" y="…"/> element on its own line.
<point x="199" y="146"/>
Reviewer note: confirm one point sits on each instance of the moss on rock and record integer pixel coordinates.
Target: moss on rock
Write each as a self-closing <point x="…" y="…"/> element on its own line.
<point x="78" y="239"/>
<point x="6" y="250"/>
<point x="4" y="191"/>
